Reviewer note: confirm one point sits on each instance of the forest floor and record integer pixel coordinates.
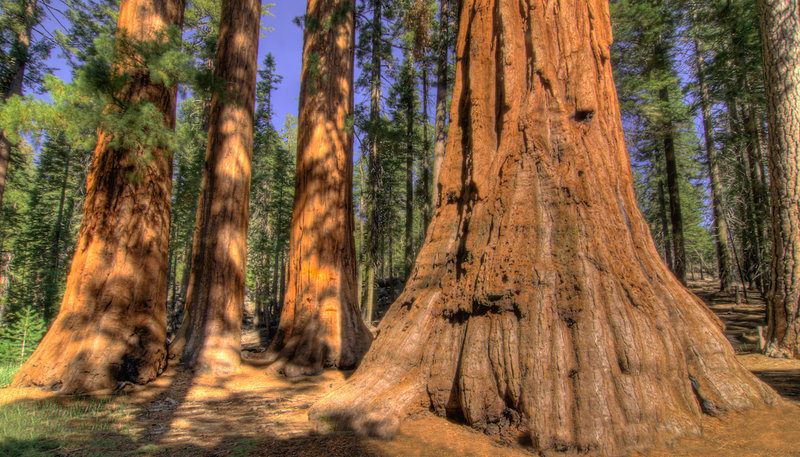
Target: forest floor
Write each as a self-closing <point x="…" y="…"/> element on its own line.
<point x="182" y="414"/>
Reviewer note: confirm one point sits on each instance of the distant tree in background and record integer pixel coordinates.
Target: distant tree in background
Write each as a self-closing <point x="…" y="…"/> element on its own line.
<point x="21" y="61"/>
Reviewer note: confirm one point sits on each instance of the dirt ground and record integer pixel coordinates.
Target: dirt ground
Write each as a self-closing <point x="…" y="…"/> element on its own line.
<point x="251" y="413"/>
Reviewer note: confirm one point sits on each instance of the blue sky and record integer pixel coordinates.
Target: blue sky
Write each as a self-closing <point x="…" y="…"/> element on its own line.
<point x="285" y="42"/>
<point x="283" y="39"/>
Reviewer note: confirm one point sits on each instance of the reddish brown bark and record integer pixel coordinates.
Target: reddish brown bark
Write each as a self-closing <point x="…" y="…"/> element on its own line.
<point x="320" y="323"/>
<point x="539" y="309"/>
<point x="209" y="339"/>
<point x="111" y="327"/>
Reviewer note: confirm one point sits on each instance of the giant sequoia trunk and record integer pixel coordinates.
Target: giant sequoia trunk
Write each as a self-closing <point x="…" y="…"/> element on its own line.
<point x="780" y="31"/>
<point x="210" y="337"/>
<point x="111" y="326"/>
<point x="320" y="324"/>
<point x="538" y="308"/>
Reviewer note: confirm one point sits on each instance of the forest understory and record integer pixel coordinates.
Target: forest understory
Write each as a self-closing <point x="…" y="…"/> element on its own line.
<point x="252" y="413"/>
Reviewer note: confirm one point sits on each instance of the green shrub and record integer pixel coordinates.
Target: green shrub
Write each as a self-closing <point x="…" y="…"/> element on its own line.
<point x="19" y="337"/>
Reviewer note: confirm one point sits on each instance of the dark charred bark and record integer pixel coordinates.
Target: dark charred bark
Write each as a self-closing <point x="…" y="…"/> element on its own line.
<point x="666" y="243"/>
<point x="538" y="307"/>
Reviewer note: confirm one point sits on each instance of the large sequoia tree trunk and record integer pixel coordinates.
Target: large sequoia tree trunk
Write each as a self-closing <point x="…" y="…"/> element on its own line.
<point x="539" y="308"/>
<point x="320" y="324"/>
<point x="780" y="31"/>
<point x="210" y="337"/>
<point x="112" y="324"/>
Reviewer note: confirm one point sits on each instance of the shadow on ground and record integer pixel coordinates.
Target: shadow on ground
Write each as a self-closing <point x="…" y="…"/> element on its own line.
<point x="254" y="414"/>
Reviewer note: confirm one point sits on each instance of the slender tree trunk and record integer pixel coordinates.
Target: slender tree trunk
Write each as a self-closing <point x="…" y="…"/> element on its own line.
<point x="751" y="239"/>
<point x="320" y="322"/>
<point x="172" y="311"/>
<point x="274" y="295"/>
<point x="282" y="284"/>
<point x="720" y="224"/>
<point x="362" y="255"/>
<point x="662" y="210"/>
<point x="675" y="216"/>
<point x="408" y="241"/>
<point x="210" y="337"/>
<point x="368" y="289"/>
<point x="426" y="158"/>
<point x="186" y="272"/>
<point x="374" y="164"/>
<point x="52" y="289"/>
<point x="538" y="307"/>
<point x="759" y="201"/>
<point x="111" y="327"/>
<point x="780" y="35"/>
<point x="440" y="127"/>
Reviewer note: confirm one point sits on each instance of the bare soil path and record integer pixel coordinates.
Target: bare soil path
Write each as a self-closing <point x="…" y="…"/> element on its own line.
<point x="252" y="413"/>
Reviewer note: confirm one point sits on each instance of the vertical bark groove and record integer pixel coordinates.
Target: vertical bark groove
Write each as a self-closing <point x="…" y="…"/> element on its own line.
<point x="780" y="29"/>
<point x="209" y="339"/>
<point x="320" y="323"/>
<point x="111" y="327"/>
<point x="538" y="308"/>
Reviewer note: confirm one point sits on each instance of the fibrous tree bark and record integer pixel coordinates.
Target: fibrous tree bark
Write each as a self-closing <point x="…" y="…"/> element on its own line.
<point x="209" y="339"/>
<point x="538" y="307"/>
<point x="320" y="323"/>
<point x="111" y="327"/>
<point x="780" y="31"/>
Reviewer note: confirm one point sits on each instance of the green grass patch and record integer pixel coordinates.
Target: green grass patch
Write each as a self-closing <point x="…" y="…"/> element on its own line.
<point x="79" y="426"/>
<point x="7" y="372"/>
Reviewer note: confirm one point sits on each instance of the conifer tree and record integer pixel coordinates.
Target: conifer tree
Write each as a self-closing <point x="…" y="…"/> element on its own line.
<point x="538" y="307"/>
<point x="320" y="322"/>
<point x="780" y="30"/>
<point x="20" y="334"/>
<point x="209" y="338"/>
<point x="111" y="326"/>
<point x="20" y="60"/>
